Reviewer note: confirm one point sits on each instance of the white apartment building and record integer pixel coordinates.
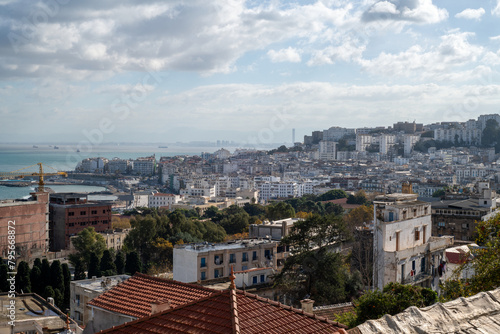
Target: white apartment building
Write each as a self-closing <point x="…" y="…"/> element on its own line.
<point x="336" y="133"/>
<point x="362" y="142"/>
<point x="198" y="262"/>
<point x="327" y="150"/>
<point x="468" y="136"/>
<point x="404" y="250"/>
<point x="118" y="166"/>
<point x="386" y="143"/>
<point x="92" y="165"/>
<point x="144" y="166"/>
<point x="471" y="173"/>
<point x="409" y="142"/>
<point x="161" y="200"/>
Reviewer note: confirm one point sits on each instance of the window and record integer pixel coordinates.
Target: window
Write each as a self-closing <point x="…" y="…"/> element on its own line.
<point x="262" y="278"/>
<point x="218" y="273"/>
<point x="202" y="263"/>
<point x="417" y="234"/>
<point x="254" y="255"/>
<point x="391" y="216"/>
<point x="402" y="273"/>
<point x="83" y="213"/>
<point x="254" y="280"/>
<point x="441" y="224"/>
<point x="423" y="231"/>
<point x="77" y="300"/>
<point x="71" y="214"/>
<point x="71" y="224"/>
<point x="218" y="259"/>
<point x="94" y="212"/>
<point x="267" y="254"/>
<point x="203" y="275"/>
<point x="103" y="211"/>
<point x="78" y="316"/>
<point x="244" y="257"/>
<point x="232" y="258"/>
<point x="243" y="268"/>
<point x="397" y="241"/>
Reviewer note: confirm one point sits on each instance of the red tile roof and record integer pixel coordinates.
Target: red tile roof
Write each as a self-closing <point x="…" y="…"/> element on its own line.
<point x="231" y="311"/>
<point x="135" y="295"/>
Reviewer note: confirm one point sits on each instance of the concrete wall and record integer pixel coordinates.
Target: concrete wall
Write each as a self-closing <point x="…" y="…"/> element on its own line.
<point x="185" y="266"/>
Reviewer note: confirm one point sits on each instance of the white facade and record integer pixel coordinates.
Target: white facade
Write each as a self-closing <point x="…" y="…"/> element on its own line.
<point x="409" y="142"/>
<point x="404" y="250"/>
<point x="198" y="262"/>
<point x="336" y="133"/>
<point x="327" y="150"/>
<point x="362" y="142"/>
<point x="386" y="142"/>
<point x="468" y="136"/>
<point x="160" y="200"/>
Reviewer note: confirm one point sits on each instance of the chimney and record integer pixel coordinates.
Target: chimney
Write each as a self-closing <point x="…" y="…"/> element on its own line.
<point x="160" y="305"/>
<point x="307" y="305"/>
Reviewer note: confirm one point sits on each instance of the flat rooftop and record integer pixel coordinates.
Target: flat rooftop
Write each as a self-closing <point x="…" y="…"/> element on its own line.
<point x="101" y="284"/>
<point x="239" y="244"/>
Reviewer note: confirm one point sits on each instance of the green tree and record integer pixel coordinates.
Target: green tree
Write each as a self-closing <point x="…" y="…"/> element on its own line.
<point x="56" y="275"/>
<point x="59" y="298"/>
<point x="309" y="270"/>
<point x="120" y="263"/>
<point x="87" y="241"/>
<point x="485" y="263"/>
<point x="94" y="268"/>
<point x="23" y="283"/>
<point x="79" y="271"/>
<point x="4" y="284"/>
<point x="133" y="263"/>
<point x="439" y="193"/>
<point x="394" y="299"/>
<point x="38" y="263"/>
<point x="107" y="265"/>
<point x="36" y="280"/>
<point x="332" y="194"/>
<point x="48" y="292"/>
<point x="210" y="212"/>
<point x="279" y="211"/>
<point x="358" y="198"/>
<point x="67" y="285"/>
<point x="45" y="278"/>
<point x="254" y="209"/>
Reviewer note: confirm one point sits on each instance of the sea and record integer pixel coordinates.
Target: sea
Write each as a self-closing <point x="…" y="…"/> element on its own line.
<point x="24" y="158"/>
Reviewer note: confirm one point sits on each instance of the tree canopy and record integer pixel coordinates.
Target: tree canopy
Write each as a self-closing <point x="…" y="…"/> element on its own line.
<point x="87" y="241"/>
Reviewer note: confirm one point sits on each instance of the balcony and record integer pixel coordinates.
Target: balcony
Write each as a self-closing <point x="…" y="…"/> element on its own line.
<point x="417" y="279"/>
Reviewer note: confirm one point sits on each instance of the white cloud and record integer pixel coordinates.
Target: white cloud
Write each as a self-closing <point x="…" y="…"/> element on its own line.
<point x="289" y="54"/>
<point x="495" y="38"/>
<point x="437" y="63"/>
<point x="496" y="11"/>
<point x="416" y="11"/>
<point x="471" y="14"/>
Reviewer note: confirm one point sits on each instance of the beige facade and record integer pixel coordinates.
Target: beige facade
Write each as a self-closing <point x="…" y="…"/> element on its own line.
<point x="84" y="291"/>
<point x="404" y="250"/>
<point x="198" y="262"/>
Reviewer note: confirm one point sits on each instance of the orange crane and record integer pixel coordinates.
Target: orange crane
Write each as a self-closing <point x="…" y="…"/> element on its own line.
<point x="40" y="174"/>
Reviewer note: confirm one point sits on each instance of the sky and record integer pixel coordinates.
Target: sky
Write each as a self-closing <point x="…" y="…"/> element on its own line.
<point x="249" y="71"/>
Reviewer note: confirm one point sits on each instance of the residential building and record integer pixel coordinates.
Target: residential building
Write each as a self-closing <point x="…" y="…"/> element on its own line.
<point x="407" y="127"/>
<point x="70" y="213"/>
<point x="161" y="200"/>
<point x="327" y="150"/>
<point x="144" y="166"/>
<point x="28" y="221"/>
<point x="120" y="166"/>
<point x="198" y="262"/>
<point x="272" y="229"/>
<point x="409" y="142"/>
<point x="83" y="291"/>
<point x="140" y="296"/>
<point x="92" y="165"/>
<point x="232" y="311"/>
<point x="362" y="142"/>
<point x="458" y="216"/>
<point x="336" y="133"/>
<point x="386" y="143"/>
<point x="253" y="278"/>
<point x="404" y="250"/>
<point x="33" y="315"/>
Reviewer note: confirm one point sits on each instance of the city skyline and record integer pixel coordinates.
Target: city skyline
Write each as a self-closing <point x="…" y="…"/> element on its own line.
<point x="247" y="71"/>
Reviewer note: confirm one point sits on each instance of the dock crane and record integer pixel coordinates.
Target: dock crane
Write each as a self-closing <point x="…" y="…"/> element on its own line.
<point x="40" y="174"/>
